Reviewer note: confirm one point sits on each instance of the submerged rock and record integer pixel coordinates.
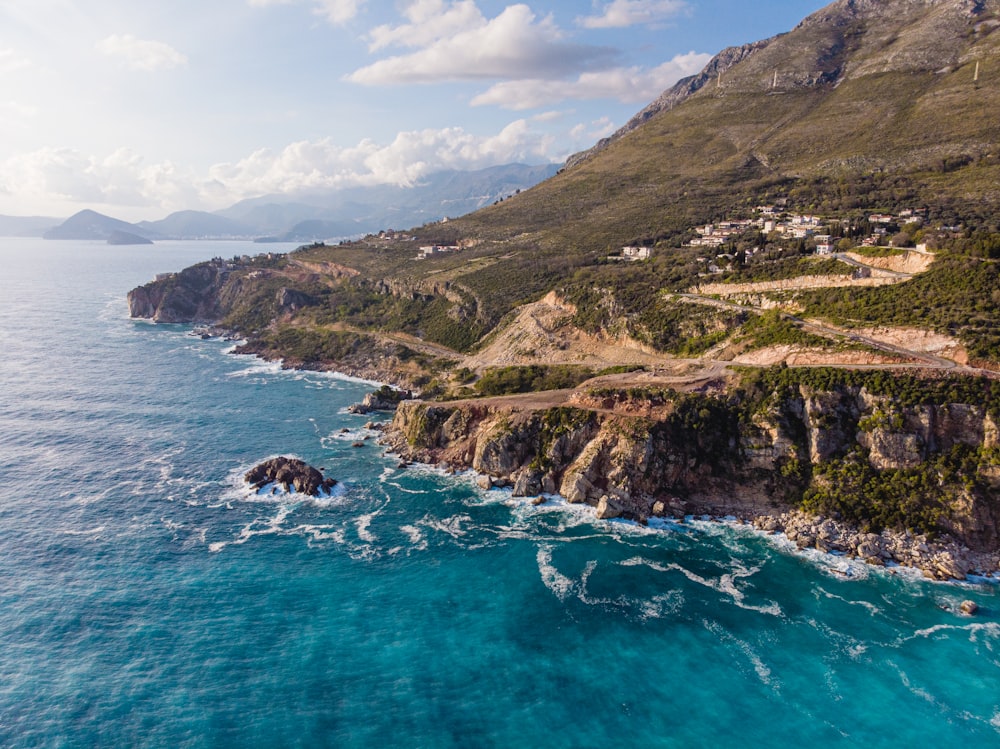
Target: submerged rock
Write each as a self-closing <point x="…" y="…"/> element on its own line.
<point x="291" y="474"/>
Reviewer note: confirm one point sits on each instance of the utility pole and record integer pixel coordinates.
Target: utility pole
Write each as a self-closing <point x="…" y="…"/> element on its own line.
<point x="975" y="77"/>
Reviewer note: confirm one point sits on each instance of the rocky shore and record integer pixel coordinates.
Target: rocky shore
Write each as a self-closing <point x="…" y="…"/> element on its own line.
<point x="700" y="457"/>
<point x="941" y="559"/>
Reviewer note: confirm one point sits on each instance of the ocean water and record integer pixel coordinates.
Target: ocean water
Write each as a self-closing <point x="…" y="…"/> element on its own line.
<point x="148" y="599"/>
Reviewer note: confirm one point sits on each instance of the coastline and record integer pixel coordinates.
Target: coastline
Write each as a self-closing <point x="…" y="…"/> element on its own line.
<point x="794" y="532"/>
<point x="942" y="560"/>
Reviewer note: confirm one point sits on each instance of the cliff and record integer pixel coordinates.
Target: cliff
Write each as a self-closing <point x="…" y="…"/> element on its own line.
<point x="858" y="454"/>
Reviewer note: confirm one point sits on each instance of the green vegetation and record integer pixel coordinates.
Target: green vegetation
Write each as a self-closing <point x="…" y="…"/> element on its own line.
<point x="533" y="378"/>
<point x="555" y="423"/>
<point x="919" y="499"/>
<point x="956" y="296"/>
<point x="760" y="387"/>
<point x="878" y="251"/>
<point x="772" y="328"/>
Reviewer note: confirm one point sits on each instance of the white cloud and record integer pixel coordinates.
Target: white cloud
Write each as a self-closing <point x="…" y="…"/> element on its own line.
<point x="456" y="42"/>
<point x="124" y="179"/>
<point x="622" y="13"/>
<point x="410" y="157"/>
<point x="624" y="84"/>
<point x="590" y="132"/>
<point x="11" y="61"/>
<point x="140" y="54"/>
<point x="337" y="12"/>
<point x="17" y="109"/>
<point x="429" y="22"/>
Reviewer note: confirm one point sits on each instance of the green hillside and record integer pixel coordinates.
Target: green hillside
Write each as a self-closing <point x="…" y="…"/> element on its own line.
<point x="864" y="107"/>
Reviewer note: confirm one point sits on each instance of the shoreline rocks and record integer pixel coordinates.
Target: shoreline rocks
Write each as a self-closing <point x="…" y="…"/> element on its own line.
<point x="941" y="559"/>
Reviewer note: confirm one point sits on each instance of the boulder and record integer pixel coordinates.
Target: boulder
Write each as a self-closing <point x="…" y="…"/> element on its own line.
<point x="527" y="483"/>
<point x="291" y="474"/>
<point x="608" y="508"/>
<point x="968" y="607"/>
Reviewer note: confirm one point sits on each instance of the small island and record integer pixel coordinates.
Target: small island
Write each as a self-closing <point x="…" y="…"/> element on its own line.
<point x="292" y="475"/>
<point x="126" y="238"/>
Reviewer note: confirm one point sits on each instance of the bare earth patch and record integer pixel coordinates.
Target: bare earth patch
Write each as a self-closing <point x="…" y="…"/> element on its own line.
<point x="542" y="334"/>
<point x="909" y="262"/>
<point x="915" y="339"/>
<point x="792" y="284"/>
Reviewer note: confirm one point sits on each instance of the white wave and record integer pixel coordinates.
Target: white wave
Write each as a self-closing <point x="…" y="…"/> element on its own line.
<point x="451" y="526"/>
<point x="400" y="488"/>
<point x="661" y="606"/>
<point x="975" y="629"/>
<point x="724" y="584"/>
<point x="257" y="368"/>
<point x="90" y="532"/>
<point x="868" y="605"/>
<point x="417" y="540"/>
<point x="760" y="668"/>
<point x="351" y="435"/>
<point x="362" y="525"/>
<point x="552" y="578"/>
<point x="257" y="527"/>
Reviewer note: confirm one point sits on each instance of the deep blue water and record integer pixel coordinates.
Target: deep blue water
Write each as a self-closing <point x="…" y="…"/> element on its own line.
<point x="148" y="599"/>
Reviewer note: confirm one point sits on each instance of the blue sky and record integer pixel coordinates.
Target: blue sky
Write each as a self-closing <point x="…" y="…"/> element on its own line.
<point x="142" y="108"/>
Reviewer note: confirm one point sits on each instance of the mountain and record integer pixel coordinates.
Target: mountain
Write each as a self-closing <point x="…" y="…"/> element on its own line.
<point x="859" y="90"/>
<point x="197" y="225"/>
<point x="359" y="210"/>
<point x="25" y="226"/>
<point x="89" y="224"/>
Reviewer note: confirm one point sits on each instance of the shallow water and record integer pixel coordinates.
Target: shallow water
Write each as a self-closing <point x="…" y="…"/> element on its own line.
<point x="148" y="599"/>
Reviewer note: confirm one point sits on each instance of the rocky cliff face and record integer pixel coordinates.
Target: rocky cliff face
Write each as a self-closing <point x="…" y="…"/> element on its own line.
<point x="712" y="454"/>
<point x="189" y="296"/>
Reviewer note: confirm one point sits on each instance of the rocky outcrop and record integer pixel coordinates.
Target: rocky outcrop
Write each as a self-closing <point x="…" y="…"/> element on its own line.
<point x="677" y="94"/>
<point x="386" y="398"/>
<point x="191" y="295"/>
<point x="942" y="559"/>
<point x="721" y="456"/>
<point x="291" y="474"/>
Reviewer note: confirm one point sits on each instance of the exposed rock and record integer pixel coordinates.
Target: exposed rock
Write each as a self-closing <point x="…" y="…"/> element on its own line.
<point x="386" y="398"/>
<point x="291" y="474"/>
<point x="969" y="608"/>
<point x="721" y="464"/>
<point x="608" y="508"/>
<point x="527" y="483"/>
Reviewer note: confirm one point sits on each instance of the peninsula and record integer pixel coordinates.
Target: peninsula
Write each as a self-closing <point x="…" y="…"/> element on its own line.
<point x="772" y="295"/>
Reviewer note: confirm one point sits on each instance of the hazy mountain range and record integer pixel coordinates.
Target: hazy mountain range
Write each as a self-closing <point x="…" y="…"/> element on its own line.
<point x="348" y="212"/>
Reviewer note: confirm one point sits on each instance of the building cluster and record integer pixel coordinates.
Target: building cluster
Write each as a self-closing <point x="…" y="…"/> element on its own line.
<point x="772" y="220"/>
<point x="433" y="250"/>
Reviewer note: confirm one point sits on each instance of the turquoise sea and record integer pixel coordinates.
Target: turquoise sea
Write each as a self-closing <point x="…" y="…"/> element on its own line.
<point x="148" y="600"/>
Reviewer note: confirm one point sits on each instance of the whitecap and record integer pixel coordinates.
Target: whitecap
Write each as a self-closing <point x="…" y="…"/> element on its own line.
<point x="416" y="536"/>
<point x="724" y="584"/>
<point x="90" y="532"/>
<point x="761" y="669"/>
<point x="552" y="578"/>
<point x="362" y="525"/>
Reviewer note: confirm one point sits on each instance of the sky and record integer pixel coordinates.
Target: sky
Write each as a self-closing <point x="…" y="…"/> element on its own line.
<point x="139" y="109"/>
